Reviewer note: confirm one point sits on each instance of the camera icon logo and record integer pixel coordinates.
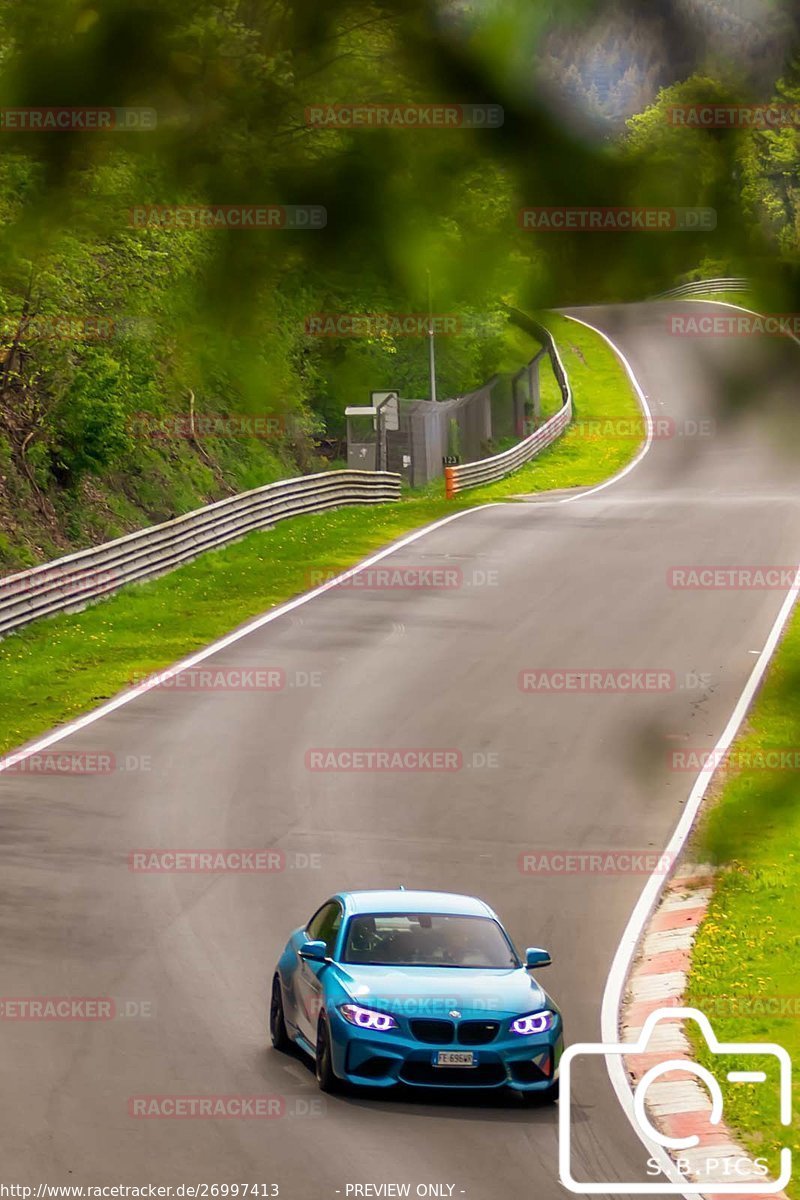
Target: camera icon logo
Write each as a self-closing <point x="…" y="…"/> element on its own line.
<point x="711" y="1178"/>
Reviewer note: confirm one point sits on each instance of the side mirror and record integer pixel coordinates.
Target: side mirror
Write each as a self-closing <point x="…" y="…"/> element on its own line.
<point x="537" y="958"/>
<point x="314" y="951"/>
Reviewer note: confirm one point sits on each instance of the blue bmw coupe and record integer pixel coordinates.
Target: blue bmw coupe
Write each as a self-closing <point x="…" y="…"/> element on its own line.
<point x="424" y="989"/>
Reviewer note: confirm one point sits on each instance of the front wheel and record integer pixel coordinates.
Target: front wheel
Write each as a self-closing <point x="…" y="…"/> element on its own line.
<point x="327" y="1079"/>
<point x="277" y="1024"/>
<point x="538" y="1099"/>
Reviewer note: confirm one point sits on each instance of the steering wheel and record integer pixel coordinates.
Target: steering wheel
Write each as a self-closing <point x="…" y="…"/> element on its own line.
<point x="365" y="939"/>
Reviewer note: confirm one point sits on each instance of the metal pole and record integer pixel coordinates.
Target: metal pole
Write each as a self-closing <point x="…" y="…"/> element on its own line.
<point x="431" y="342"/>
<point x="381" y="455"/>
<point x="534" y="367"/>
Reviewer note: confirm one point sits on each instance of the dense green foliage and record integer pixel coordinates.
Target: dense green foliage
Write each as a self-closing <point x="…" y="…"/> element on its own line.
<point x="111" y="330"/>
<point x="115" y="332"/>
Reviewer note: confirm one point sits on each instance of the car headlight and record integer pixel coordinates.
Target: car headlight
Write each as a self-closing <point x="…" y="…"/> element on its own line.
<point x="367" y="1018"/>
<point x="538" y="1022"/>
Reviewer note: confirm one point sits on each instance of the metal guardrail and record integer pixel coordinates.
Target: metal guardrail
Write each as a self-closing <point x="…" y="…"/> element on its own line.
<point x="487" y="470"/>
<point x="69" y="583"/>
<point x="704" y="287"/>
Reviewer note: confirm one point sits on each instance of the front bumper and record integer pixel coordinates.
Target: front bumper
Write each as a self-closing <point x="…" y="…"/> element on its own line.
<point x="526" y="1064"/>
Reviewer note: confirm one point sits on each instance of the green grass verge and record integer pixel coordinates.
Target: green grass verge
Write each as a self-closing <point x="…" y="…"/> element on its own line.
<point x="746" y="960"/>
<point x="60" y="667"/>
<point x="607" y="430"/>
<point x="520" y="347"/>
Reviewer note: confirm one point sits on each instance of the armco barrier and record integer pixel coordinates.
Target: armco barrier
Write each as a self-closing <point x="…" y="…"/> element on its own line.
<point x="704" y="287"/>
<point x="69" y="583"/>
<point x="487" y="470"/>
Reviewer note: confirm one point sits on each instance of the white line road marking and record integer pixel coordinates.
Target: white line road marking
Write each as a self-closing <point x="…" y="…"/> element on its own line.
<point x="617" y="976"/>
<point x="648" y="416"/>
<point x="186" y="664"/>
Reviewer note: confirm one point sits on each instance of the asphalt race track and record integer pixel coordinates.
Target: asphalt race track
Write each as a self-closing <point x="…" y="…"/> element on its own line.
<point x="545" y="585"/>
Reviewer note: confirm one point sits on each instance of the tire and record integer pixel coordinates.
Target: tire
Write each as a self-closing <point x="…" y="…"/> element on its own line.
<point x="326" y="1078"/>
<point x="540" y="1099"/>
<point x="277" y="1024"/>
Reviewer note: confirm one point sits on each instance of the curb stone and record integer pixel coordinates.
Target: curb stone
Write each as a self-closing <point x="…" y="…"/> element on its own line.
<point x="677" y="1105"/>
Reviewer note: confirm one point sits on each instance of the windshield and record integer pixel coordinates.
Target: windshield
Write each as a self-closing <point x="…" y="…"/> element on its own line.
<point x="427" y="940"/>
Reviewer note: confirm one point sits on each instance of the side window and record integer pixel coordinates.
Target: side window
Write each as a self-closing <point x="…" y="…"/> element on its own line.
<point x="330" y="931"/>
<point x="321" y="918"/>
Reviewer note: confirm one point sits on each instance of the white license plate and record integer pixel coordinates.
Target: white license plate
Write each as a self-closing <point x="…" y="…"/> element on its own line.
<point x="455" y="1058"/>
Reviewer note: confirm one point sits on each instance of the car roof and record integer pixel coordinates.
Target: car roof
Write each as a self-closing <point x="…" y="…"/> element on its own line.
<point x="396" y="900"/>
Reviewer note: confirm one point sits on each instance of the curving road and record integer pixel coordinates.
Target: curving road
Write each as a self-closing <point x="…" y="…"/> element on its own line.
<point x="546" y="584"/>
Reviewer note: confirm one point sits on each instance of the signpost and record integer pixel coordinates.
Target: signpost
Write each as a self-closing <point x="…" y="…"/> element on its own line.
<point x="385" y="413"/>
<point x="388" y="403"/>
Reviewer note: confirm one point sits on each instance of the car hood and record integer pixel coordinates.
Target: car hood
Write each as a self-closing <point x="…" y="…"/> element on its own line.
<point x="435" y="991"/>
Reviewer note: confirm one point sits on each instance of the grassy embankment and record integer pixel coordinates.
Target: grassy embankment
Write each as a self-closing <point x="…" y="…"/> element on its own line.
<point x="746" y="962"/>
<point x="66" y="665"/>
